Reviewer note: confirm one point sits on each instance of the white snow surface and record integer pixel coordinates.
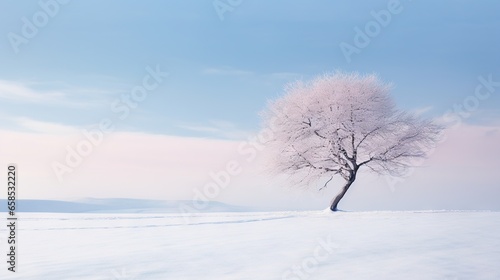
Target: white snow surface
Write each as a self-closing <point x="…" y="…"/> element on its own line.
<point x="265" y="245"/>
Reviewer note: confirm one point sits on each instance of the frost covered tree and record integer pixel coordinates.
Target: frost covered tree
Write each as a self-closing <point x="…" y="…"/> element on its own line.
<point x="338" y="124"/>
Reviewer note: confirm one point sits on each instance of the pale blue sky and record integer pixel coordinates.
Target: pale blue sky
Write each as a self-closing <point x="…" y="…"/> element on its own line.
<point x="66" y="76"/>
<point x="224" y="71"/>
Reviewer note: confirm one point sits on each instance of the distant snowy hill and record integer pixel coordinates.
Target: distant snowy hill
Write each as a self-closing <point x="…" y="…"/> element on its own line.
<point x="118" y="205"/>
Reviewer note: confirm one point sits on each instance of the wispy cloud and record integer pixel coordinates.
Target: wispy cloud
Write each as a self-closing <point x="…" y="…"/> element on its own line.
<point x="199" y="128"/>
<point x="229" y="71"/>
<point x="44" y="127"/>
<point x="62" y="96"/>
<point x="217" y="128"/>
<point x="19" y="92"/>
<point x="422" y="110"/>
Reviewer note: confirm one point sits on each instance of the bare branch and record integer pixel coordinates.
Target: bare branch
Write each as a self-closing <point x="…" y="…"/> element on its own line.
<point x="337" y="124"/>
<point x="324" y="186"/>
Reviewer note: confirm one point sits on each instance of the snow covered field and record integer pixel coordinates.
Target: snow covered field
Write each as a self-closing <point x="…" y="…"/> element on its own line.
<point x="265" y="245"/>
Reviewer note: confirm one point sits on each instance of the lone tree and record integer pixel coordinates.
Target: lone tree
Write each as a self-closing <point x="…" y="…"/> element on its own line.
<point x="339" y="123"/>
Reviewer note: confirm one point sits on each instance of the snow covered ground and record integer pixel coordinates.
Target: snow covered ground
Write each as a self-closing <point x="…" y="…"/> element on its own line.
<point x="265" y="245"/>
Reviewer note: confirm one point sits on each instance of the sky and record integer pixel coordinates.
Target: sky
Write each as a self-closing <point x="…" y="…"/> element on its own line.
<point x="168" y="93"/>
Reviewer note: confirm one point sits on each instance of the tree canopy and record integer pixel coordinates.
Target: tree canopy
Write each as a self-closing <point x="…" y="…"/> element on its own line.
<point x="338" y="123"/>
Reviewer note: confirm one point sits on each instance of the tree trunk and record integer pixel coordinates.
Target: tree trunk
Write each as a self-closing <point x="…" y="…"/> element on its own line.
<point x="337" y="199"/>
